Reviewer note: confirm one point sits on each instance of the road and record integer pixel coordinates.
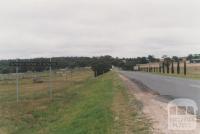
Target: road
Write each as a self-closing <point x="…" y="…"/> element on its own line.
<point x="169" y="86"/>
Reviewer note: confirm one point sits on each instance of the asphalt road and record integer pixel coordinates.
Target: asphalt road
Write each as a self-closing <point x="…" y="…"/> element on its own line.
<point x="169" y="86"/>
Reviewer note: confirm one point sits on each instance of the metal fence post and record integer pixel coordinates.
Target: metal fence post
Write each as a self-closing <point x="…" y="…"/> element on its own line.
<point x="17" y="83"/>
<point x="50" y="86"/>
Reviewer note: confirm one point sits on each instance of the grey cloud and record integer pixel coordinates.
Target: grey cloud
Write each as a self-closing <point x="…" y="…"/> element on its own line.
<point x="125" y="28"/>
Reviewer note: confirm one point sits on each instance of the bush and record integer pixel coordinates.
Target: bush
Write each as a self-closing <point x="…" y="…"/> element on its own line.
<point x="101" y="65"/>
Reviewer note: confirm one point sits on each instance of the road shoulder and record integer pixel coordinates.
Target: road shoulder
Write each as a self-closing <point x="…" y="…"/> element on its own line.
<point x="128" y="118"/>
<point x="154" y="107"/>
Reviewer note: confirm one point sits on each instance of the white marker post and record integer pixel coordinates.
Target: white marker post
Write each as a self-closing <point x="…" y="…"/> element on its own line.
<point x="50" y="85"/>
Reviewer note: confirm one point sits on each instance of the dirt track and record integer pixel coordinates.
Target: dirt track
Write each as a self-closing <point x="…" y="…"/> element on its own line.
<point x="155" y="107"/>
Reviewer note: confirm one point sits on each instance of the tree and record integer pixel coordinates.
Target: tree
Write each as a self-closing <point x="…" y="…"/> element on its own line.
<point x="175" y="58"/>
<point x="164" y="56"/>
<point x="190" y="57"/>
<point x="5" y="71"/>
<point x="151" y="58"/>
<point x="101" y="65"/>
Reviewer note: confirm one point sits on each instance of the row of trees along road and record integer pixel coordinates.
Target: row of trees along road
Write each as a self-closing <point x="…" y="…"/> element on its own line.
<point x="167" y="66"/>
<point x="99" y="65"/>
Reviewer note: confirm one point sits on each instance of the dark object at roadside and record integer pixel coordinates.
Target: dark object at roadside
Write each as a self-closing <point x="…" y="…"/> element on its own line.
<point x="101" y="65"/>
<point x="178" y="67"/>
<point x="37" y="80"/>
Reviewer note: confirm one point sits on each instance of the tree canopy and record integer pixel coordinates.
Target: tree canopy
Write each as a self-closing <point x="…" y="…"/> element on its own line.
<point x="99" y="65"/>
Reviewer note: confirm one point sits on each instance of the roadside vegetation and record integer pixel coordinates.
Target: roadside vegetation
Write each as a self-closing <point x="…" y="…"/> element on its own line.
<point x="95" y="62"/>
<point x="81" y="104"/>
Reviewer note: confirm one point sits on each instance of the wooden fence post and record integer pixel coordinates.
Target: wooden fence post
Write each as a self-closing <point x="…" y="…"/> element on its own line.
<point x="172" y="71"/>
<point x="178" y="67"/>
<point x="159" y="68"/>
<point x="185" y="68"/>
<point x="163" y="66"/>
<point x="167" y="66"/>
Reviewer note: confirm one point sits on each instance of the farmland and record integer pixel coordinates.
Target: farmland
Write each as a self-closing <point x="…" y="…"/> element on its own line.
<point x="80" y="104"/>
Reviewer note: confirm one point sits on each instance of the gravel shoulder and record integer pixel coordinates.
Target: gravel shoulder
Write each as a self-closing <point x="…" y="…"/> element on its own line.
<point x="154" y="107"/>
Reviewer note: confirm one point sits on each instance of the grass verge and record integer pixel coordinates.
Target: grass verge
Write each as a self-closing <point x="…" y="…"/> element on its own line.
<point x="80" y="105"/>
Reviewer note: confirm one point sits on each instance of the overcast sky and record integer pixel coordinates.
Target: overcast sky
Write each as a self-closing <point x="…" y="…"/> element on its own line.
<point x="124" y="28"/>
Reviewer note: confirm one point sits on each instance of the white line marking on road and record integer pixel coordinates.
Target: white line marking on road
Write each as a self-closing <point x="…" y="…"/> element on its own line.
<point x="196" y="86"/>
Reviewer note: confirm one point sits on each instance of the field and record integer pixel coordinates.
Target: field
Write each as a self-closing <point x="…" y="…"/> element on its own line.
<point x="81" y="104"/>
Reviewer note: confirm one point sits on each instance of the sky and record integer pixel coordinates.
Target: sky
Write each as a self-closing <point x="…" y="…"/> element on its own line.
<point x="120" y="28"/>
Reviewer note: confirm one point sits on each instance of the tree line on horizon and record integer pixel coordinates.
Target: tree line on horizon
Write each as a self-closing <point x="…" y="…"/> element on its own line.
<point x="99" y="65"/>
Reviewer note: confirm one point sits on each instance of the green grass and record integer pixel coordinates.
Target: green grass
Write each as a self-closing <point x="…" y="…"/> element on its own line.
<point x="81" y="104"/>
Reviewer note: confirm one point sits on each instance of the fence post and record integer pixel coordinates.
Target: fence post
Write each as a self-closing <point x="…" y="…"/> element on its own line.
<point x="163" y="66"/>
<point x="50" y="80"/>
<point x="167" y="66"/>
<point x="17" y="83"/>
<point x="178" y="67"/>
<point x="185" y="68"/>
<point x="159" y="68"/>
<point x="172" y="67"/>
